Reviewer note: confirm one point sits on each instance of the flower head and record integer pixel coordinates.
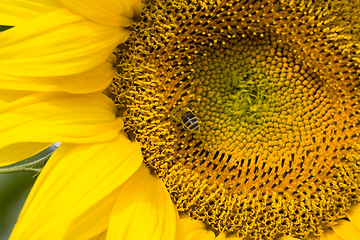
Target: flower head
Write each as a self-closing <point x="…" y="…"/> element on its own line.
<point x="273" y="88"/>
<point x="246" y="112"/>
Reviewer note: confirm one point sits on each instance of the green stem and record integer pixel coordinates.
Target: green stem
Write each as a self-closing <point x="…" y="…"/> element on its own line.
<point x="35" y="166"/>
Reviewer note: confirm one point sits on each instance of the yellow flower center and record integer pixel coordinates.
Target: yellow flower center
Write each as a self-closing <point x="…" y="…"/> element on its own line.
<point x="248" y="112"/>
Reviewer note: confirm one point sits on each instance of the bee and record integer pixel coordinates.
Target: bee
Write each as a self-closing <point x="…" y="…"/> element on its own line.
<point x="186" y="117"/>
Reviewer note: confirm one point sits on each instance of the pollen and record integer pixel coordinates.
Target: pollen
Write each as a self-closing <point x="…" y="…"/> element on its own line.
<point x="273" y="89"/>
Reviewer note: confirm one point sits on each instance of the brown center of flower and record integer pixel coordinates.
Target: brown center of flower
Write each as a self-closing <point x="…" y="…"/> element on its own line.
<point x="248" y="112"/>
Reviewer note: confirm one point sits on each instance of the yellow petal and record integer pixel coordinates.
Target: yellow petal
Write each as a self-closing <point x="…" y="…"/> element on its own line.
<point x="101" y="236"/>
<point x="222" y="236"/>
<point x="288" y="238"/>
<point x="73" y="185"/>
<point x="143" y="211"/>
<point x="58" y="43"/>
<point x="114" y="13"/>
<point x="15" y="12"/>
<point x="19" y="151"/>
<point x="190" y="229"/>
<point x="93" y="221"/>
<point x="59" y="117"/>
<point x="354" y="215"/>
<point x="329" y="235"/>
<point x="346" y="230"/>
<point x="7" y="97"/>
<point x="93" y="80"/>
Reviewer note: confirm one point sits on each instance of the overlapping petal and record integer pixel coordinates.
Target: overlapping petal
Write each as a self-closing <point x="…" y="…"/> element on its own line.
<point x="354" y="215"/>
<point x="93" y="80"/>
<point x="58" y="43"/>
<point x="76" y="181"/>
<point x="190" y="229"/>
<point x="346" y="230"/>
<point x="15" y="12"/>
<point x="288" y="238"/>
<point x="19" y="151"/>
<point x="143" y="210"/>
<point x="329" y="234"/>
<point x="222" y="236"/>
<point x="7" y="97"/>
<point x="101" y="236"/>
<point x="16" y="152"/>
<point x="93" y="221"/>
<point x="58" y="117"/>
<point x="114" y="13"/>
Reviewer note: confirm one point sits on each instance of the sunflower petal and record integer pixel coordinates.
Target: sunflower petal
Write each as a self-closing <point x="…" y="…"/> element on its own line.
<point x="190" y="229"/>
<point x="354" y="215"/>
<point x="15" y="12"/>
<point x="101" y="236"/>
<point x="143" y="210"/>
<point x="329" y="235"/>
<point x="93" y="221"/>
<point x="93" y="80"/>
<point x="113" y="13"/>
<point x="222" y="236"/>
<point x="7" y="97"/>
<point x="74" y="182"/>
<point x="58" y="43"/>
<point x="19" y="151"/>
<point x="288" y="238"/>
<point x="59" y="117"/>
<point x="346" y="230"/>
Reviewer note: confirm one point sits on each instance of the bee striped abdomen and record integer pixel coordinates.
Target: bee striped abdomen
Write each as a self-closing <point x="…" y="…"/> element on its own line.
<point x="190" y="121"/>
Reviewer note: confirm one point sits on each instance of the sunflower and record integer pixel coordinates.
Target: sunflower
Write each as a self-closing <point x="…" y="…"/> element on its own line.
<point x="242" y="118"/>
